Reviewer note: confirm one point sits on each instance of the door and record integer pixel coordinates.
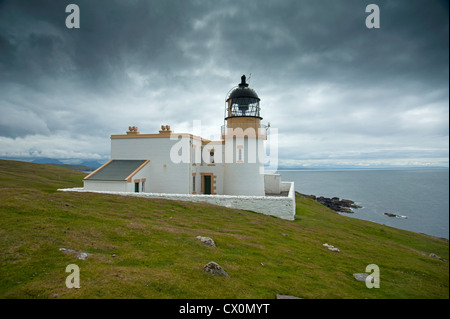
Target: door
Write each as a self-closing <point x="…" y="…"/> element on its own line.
<point x="207" y="183"/>
<point x="136" y="187"/>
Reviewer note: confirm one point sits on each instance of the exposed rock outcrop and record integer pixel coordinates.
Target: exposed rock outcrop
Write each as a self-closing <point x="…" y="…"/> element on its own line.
<point x="334" y="203"/>
<point x="437" y="257"/>
<point x="395" y="215"/>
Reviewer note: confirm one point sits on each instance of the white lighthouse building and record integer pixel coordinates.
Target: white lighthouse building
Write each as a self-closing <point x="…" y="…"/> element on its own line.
<point x="230" y="171"/>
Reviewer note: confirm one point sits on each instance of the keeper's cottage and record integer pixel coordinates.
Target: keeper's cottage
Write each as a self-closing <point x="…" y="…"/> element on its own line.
<point x="178" y="164"/>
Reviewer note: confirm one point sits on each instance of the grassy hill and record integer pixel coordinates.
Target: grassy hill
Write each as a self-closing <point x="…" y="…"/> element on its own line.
<point x="147" y="248"/>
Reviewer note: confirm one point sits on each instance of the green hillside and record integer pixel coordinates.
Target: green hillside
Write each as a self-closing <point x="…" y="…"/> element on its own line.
<point x="147" y="248"/>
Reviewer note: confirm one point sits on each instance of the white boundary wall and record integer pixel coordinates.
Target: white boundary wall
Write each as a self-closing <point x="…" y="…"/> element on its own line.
<point x="278" y="206"/>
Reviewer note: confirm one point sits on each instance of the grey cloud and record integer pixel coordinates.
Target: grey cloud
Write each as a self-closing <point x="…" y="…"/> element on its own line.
<point x="318" y="70"/>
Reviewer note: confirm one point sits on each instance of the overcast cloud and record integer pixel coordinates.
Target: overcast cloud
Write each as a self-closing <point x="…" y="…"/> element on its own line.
<point x="339" y="94"/>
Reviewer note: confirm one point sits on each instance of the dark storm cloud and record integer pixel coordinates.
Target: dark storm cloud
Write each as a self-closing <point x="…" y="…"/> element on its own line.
<point x="319" y="71"/>
<point x="114" y="34"/>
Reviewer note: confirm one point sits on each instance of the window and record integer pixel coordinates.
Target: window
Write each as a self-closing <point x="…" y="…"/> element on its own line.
<point x="211" y="157"/>
<point x="193" y="183"/>
<point x="136" y="187"/>
<point x="143" y="187"/>
<point x="240" y="154"/>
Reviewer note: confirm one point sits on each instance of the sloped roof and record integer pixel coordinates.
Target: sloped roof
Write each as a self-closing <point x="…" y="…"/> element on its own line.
<point x="117" y="170"/>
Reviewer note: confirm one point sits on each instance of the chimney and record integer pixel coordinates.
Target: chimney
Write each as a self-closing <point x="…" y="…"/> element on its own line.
<point x="165" y="129"/>
<point x="132" y="130"/>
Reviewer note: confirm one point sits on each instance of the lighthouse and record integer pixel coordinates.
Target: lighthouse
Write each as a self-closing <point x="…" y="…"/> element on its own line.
<point x="229" y="172"/>
<point x="244" y="137"/>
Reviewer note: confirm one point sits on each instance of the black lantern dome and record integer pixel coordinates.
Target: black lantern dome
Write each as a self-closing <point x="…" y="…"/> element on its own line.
<point x="243" y="101"/>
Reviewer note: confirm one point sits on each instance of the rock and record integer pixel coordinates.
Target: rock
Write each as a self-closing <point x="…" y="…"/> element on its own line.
<point x="331" y="247"/>
<point x="82" y="256"/>
<point x="215" y="269"/>
<point x="395" y="215"/>
<point x="334" y="203"/>
<point x="349" y="203"/>
<point x="360" y="276"/>
<point x="287" y="297"/>
<point x="343" y="206"/>
<point x="113" y="255"/>
<point x="432" y="255"/>
<point x="67" y="250"/>
<point x="206" y="240"/>
<point x="345" y="210"/>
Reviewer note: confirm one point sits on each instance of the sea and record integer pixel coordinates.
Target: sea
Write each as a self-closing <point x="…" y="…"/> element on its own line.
<point x="420" y="197"/>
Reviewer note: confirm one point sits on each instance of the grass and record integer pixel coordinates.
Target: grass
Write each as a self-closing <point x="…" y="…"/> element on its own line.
<point x="147" y="248"/>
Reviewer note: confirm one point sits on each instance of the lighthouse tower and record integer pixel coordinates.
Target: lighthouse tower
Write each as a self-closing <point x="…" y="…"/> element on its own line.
<point x="244" y="137"/>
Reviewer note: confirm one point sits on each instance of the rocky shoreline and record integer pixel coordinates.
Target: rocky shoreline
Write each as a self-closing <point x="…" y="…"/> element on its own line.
<point x="334" y="203"/>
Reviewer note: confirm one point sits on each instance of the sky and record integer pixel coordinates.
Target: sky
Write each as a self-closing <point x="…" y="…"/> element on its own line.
<point x="339" y="94"/>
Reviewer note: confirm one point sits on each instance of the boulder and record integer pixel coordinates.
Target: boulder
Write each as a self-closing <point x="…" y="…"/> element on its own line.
<point x="215" y="269"/>
<point x="206" y="240"/>
<point x="331" y="247"/>
<point x="82" y="256"/>
<point x="360" y="276"/>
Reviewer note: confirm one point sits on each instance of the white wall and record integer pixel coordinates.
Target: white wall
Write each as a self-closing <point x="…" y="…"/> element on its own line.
<point x="162" y="174"/>
<point x="217" y="170"/>
<point x="246" y="178"/>
<point x="278" y="206"/>
<point x="272" y="183"/>
<point x="112" y="186"/>
<point x="143" y="173"/>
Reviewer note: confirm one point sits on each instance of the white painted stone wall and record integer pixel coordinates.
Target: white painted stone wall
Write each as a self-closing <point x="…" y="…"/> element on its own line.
<point x="288" y="187"/>
<point x="278" y="206"/>
<point x="110" y="186"/>
<point x="272" y="183"/>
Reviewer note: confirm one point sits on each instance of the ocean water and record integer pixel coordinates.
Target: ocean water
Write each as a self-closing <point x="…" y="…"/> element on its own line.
<point x="421" y="195"/>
